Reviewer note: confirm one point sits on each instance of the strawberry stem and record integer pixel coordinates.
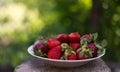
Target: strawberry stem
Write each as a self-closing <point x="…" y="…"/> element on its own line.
<point x="85" y="51"/>
<point x="64" y="45"/>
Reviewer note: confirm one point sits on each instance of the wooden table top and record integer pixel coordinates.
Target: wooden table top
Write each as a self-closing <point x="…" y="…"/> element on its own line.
<point x="36" y="65"/>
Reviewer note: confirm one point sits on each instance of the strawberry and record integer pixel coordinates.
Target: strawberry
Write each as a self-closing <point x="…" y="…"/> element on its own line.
<point x="95" y="49"/>
<point x="90" y="41"/>
<point x="82" y="57"/>
<point x="64" y="38"/>
<point x="74" y="37"/>
<point x="69" y="54"/>
<point x="39" y="46"/>
<point x="75" y="46"/>
<point x="84" y="53"/>
<point x="53" y="43"/>
<point x="72" y="56"/>
<point x="86" y="36"/>
<point x="55" y="53"/>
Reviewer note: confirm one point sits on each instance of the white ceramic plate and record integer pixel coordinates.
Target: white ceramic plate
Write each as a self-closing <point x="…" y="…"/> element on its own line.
<point x="63" y="63"/>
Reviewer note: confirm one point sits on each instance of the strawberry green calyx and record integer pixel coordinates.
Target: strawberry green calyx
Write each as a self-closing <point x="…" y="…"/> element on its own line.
<point x="64" y="45"/>
<point x="87" y="38"/>
<point x="64" y="56"/>
<point x="88" y="51"/>
<point x="100" y="48"/>
<point x="69" y="55"/>
<point x="68" y="52"/>
<point x="41" y="47"/>
<point x="83" y="42"/>
<point x="39" y="53"/>
<point x="94" y="36"/>
<point x="85" y="52"/>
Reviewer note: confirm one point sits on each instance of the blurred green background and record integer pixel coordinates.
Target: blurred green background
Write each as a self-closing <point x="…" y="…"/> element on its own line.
<point x="22" y="22"/>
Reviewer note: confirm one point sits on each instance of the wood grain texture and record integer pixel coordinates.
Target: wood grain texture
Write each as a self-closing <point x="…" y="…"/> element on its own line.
<point x="36" y="65"/>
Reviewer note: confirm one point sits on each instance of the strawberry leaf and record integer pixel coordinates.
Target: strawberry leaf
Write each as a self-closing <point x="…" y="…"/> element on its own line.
<point x="100" y="51"/>
<point x="71" y="49"/>
<point x="89" y="40"/>
<point x="100" y="48"/>
<point x="79" y="49"/>
<point x="86" y="54"/>
<point x="73" y="52"/>
<point x="62" y="58"/>
<point x="94" y="36"/>
<point x="44" y="55"/>
<point x="66" y="57"/>
<point x="81" y="53"/>
<point x="39" y="53"/>
<point x="90" y="51"/>
<point x="83" y="42"/>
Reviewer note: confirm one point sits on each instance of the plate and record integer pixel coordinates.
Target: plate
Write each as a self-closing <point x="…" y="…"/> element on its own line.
<point x="63" y="63"/>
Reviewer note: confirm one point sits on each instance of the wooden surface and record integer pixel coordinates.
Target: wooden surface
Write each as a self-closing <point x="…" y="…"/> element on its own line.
<point x="115" y="66"/>
<point x="35" y="65"/>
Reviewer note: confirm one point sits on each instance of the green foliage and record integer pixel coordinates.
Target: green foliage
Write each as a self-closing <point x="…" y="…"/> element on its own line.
<point x="24" y="21"/>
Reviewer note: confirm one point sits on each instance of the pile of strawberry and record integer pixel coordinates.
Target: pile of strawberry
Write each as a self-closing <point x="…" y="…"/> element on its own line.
<point x="69" y="47"/>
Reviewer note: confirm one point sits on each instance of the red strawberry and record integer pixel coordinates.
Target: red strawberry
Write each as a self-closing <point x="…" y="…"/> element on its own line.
<point x="53" y="43"/>
<point x="55" y="53"/>
<point x="64" y="38"/>
<point x="82" y="57"/>
<point x="95" y="49"/>
<point x="41" y="47"/>
<point x="72" y="56"/>
<point x="69" y="54"/>
<point x="74" y="37"/>
<point x="84" y="53"/>
<point x="86" y="36"/>
<point x="75" y="46"/>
